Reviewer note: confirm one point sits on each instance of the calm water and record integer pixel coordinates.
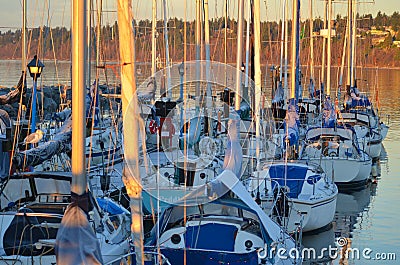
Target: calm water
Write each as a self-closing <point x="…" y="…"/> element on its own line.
<point x="369" y="217"/>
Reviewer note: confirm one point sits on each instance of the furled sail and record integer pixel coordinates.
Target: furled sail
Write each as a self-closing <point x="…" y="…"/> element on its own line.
<point x="234" y="154"/>
<point x="61" y="143"/>
<point x="292" y="124"/>
<point x="328" y="115"/>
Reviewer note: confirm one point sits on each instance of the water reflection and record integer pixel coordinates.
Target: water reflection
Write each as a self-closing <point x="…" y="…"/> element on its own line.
<point x="320" y="242"/>
<point x="351" y="210"/>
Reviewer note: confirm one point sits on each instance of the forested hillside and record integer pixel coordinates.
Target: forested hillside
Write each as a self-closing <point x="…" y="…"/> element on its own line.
<point x="378" y="41"/>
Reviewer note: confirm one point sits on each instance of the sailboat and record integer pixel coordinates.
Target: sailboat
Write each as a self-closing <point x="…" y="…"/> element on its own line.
<point x="298" y="195"/>
<point x="191" y="139"/>
<point x="209" y="227"/>
<point x="358" y="110"/>
<point x="77" y="242"/>
<point x="335" y="148"/>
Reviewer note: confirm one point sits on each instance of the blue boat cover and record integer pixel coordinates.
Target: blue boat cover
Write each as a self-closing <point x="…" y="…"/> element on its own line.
<point x="313" y="179"/>
<point x="212" y="236"/>
<point x="109" y="206"/>
<point x="295" y="176"/>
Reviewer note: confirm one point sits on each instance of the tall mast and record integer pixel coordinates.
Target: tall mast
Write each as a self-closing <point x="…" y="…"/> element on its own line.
<point x="295" y="49"/>
<point x="208" y="58"/>
<point x="207" y="34"/>
<point x="282" y="37"/>
<point x="239" y="54"/>
<point x="285" y="81"/>
<point x="353" y="47"/>
<point x="153" y="38"/>
<point x="98" y="33"/>
<point x="131" y="175"/>
<point x="198" y="40"/>
<point x="329" y="55"/>
<point x="226" y="106"/>
<point x="343" y="59"/>
<point x="311" y="41"/>
<point x="185" y="33"/>
<point x="350" y="40"/>
<point x="169" y="90"/>
<point x="257" y="69"/>
<point x="79" y="180"/>
<point x="23" y="50"/>
<point x="88" y="40"/>
<point x="226" y="34"/>
<point x="246" y="79"/>
<point x="324" y="47"/>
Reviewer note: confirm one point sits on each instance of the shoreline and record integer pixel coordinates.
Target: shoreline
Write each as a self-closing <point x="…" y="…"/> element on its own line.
<point x="229" y="63"/>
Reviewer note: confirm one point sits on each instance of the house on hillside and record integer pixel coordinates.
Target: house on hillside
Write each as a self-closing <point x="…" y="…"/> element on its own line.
<point x="396" y="43"/>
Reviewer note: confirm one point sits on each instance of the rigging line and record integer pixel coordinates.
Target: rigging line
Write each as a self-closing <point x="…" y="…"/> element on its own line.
<point x="17" y="127"/>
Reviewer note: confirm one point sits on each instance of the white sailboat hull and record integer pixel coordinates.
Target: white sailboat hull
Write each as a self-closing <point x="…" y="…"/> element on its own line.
<point x="338" y="169"/>
<point x="365" y="169"/>
<point x="373" y="149"/>
<point x="311" y="209"/>
<point x="372" y="145"/>
<point x="383" y="130"/>
<point x="309" y="215"/>
<point x="319" y="214"/>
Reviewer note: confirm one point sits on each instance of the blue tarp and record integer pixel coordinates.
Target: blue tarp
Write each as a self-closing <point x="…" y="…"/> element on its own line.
<point x="295" y="176"/>
<point x="109" y="206"/>
<point x="212" y="236"/>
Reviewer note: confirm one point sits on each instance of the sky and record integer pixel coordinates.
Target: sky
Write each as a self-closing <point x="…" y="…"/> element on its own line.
<point x="55" y="13"/>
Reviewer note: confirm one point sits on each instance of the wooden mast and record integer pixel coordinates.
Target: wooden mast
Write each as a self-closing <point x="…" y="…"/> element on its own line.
<point x="257" y="70"/>
<point x="239" y="54"/>
<point x="79" y="179"/>
<point x="153" y="38"/>
<point x="131" y="175"/>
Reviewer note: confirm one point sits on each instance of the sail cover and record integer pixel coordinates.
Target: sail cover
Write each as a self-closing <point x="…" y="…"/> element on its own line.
<point x="292" y="123"/>
<point x="227" y="181"/>
<point x="76" y="243"/>
<point x="233" y="154"/>
<point x="61" y="143"/>
<point x="328" y="115"/>
<point x="279" y="94"/>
